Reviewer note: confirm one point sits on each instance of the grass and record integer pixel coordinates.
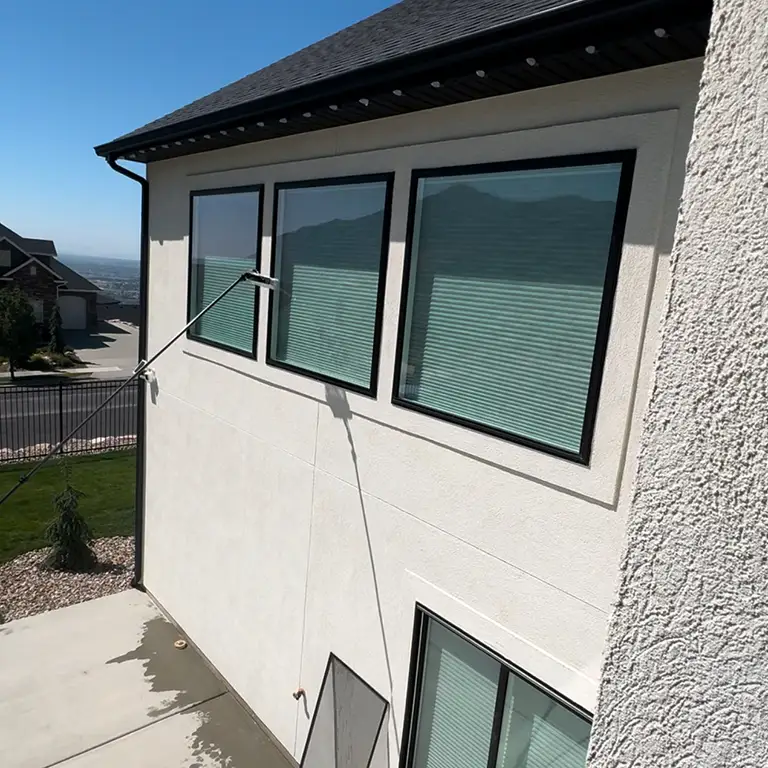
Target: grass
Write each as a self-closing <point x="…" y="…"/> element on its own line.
<point x="107" y="480"/>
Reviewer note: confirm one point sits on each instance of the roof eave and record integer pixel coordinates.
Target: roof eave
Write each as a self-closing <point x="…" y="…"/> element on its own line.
<point x="547" y="27"/>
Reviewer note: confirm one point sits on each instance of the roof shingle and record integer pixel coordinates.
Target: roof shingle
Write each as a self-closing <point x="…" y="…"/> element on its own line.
<point x="407" y="28"/>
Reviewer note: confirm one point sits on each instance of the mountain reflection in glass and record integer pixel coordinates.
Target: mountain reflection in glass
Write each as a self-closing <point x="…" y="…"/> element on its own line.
<point x="329" y="256"/>
<point x="505" y="289"/>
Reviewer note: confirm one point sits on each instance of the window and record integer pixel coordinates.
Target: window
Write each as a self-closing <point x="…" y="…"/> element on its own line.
<point x="330" y="258"/>
<point x="225" y="235"/>
<point x="507" y="296"/>
<point x="32" y="270"/>
<point x="5" y="258"/>
<point x="471" y="710"/>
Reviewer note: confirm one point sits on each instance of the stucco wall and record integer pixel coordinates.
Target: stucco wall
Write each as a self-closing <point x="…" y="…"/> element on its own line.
<point x="685" y="681"/>
<point x="278" y="531"/>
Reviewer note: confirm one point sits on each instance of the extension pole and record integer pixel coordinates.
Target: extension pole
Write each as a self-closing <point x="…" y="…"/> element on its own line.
<point x="251" y="276"/>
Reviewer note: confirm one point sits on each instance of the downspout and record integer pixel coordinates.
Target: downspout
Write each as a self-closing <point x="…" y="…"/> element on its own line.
<point x="141" y="443"/>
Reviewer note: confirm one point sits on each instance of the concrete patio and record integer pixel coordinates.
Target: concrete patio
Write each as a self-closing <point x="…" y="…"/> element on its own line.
<point x="101" y="684"/>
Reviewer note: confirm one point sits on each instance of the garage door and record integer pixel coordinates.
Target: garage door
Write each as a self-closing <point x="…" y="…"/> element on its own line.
<point x="72" y="310"/>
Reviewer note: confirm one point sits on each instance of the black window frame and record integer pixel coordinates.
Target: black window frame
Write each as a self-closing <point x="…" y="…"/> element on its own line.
<point x="422" y="617"/>
<point x="627" y="159"/>
<point x="191" y="335"/>
<point x="389" y="180"/>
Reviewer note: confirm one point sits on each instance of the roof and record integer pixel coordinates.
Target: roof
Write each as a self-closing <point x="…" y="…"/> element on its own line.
<point x="40" y="247"/>
<point x="75" y="281"/>
<point x="408" y="43"/>
<point x="408" y="27"/>
<point x="30" y="245"/>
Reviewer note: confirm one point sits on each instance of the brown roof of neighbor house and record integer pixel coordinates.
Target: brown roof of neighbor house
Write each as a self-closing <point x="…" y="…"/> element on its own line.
<point x="430" y="52"/>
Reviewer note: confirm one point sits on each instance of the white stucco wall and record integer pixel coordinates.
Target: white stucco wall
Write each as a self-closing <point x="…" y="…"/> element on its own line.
<point x="686" y="674"/>
<point x="272" y="543"/>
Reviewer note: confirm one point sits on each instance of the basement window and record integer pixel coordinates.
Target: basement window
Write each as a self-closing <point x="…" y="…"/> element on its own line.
<point x="470" y="709"/>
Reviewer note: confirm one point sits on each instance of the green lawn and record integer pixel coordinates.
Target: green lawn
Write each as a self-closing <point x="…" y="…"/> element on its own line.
<point x="107" y="480"/>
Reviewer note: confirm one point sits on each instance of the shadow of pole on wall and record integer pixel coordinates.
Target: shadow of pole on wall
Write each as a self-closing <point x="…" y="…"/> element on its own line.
<point x="336" y="399"/>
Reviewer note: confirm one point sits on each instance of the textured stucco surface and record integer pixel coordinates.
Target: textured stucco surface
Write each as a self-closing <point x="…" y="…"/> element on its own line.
<point x="685" y="680"/>
<point x="286" y="520"/>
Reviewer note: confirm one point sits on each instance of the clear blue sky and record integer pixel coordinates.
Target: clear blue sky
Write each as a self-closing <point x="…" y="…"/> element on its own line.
<point x="81" y="72"/>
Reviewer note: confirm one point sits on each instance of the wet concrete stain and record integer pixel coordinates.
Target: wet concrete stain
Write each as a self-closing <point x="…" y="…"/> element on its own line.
<point x="228" y="736"/>
<point x="182" y="675"/>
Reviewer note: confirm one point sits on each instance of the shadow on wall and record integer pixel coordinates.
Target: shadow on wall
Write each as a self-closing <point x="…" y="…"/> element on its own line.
<point x="336" y="399"/>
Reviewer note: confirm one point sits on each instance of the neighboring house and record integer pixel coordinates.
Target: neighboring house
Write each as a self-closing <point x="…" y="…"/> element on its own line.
<point x="34" y="266"/>
<point x="497" y="441"/>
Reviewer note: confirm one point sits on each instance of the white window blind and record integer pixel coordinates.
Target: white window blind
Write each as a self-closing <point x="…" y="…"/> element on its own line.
<point x="225" y="243"/>
<point x="475" y="712"/>
<point x="329" y="257"/>
<point x="505" y="288"/>
<point x="538" y="732"/>
<point x="457" y="703"/>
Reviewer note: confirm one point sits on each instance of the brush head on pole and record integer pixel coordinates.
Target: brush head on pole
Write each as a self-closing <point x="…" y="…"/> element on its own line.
<point x="263" y="281"/>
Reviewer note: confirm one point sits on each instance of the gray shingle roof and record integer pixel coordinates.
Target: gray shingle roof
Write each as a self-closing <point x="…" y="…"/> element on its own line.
<point x="40" y="247"/>
<point x="407" y="28"/>
<point x="75" y="281"/>
<point x="31" y="245"/>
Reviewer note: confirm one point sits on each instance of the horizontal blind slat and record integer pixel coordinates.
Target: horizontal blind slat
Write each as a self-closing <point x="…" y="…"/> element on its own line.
<point x="505" y="299"/>
<point x="325" y="313"/>
<point x="225" y="238"/>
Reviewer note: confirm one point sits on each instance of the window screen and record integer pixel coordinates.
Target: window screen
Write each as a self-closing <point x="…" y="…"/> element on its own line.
<point x="330" y="248"/>
<point x="224" y="243"/>
<point x="349" y="727"/>
<point x="472" y="711"/>
<point x="509" y="281"/>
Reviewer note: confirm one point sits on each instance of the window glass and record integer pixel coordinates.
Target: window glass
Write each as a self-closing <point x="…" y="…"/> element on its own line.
<point x="225" y="243"/>
<point x="475" y="712"/>
<point x="329" y="259"/>
<point x="457" y="703"/>
<point x="505" y="291"/>
<point x="537" y="732"/>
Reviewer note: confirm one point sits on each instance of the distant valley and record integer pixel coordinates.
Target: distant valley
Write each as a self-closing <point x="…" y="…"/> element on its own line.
<point x="119" y="278"/>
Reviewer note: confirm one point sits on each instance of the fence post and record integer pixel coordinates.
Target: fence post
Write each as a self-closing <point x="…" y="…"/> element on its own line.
<point x="61" y="415"/>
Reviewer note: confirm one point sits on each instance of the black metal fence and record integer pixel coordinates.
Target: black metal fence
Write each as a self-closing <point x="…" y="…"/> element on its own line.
<point x="33" y="418"/>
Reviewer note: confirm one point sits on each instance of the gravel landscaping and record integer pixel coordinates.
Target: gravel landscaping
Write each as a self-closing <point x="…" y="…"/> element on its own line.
<point x="27" y="589"/>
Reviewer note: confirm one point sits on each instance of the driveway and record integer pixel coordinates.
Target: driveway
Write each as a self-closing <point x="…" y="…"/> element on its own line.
<point x="101" y="684"/>
<point x="112" y="349"/>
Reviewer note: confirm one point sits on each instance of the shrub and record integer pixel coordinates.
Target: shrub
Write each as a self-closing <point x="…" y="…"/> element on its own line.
<point x="55" y="332"/>
<point x="69" y="534"/>
<point x="18" y="332"/>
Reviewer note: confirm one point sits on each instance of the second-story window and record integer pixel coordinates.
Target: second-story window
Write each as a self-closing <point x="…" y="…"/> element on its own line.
<point x="331" y="240"/>
<point x="225" y="235"/>
<point x="508" y="292"/>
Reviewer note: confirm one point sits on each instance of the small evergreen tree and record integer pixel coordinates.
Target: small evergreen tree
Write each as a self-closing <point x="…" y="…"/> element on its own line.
<point x="68" y="533"/>
<point x="18" y="334"/>
<point x="55" y="334"/>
